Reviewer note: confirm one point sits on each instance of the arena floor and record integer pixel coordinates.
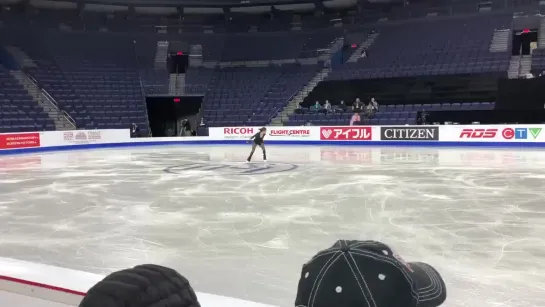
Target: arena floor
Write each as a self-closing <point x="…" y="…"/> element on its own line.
<point x="244" y="230"/>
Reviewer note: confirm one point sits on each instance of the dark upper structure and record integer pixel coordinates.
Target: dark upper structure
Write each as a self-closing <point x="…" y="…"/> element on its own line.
<point x="97" y="67"/>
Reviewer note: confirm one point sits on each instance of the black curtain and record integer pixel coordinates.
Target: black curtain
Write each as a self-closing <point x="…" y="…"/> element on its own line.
<point x="521" y="94"/>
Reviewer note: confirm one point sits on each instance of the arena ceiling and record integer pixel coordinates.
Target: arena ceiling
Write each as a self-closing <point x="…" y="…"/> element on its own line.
<point x="211" y="3"/>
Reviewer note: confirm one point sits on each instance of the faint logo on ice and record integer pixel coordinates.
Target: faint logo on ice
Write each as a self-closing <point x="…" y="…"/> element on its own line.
<point x="231" y="168"/>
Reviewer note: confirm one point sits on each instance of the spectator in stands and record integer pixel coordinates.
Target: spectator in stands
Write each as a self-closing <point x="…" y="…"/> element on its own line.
<point x="202" y="124"/>
<point x="135" y="130"/>
<point x="368" y="111"/>
<point x="371" y="108"/>
<point x="299" y="109"/>
<point x="355" y="119"/>
<point x="357" y="106"/>
<point x="367" y="273"/>
<point x="341" y="107"/>
<point x="374" y="103"/>
<point x="363" y="53"/>
<point x="186" y="128"/>
<point x="422" y="118"/>
<point x="327" y="107"/>
<point x="142" y="286"/>
<point x="317" y="107"/>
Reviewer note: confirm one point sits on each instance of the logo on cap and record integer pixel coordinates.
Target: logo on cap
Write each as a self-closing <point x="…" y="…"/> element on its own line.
<point x="400" y="259"/>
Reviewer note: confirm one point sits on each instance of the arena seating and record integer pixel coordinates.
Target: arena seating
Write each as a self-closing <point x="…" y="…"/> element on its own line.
<point x="250" y="96"/>
<point x="262" y="46"/>
<point x="371" y="12"/>
<point x="91" y="76"/>
<point x="18" y="112"/>
<point x="538" y="61"/>
<point x="100" y="78"/>
<point x="455" y="46"/>
<point x="95" y="77"/>
<point x="387" y="115"/>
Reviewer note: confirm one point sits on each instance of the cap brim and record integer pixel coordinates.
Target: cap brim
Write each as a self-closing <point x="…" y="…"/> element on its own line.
<point x="431" y="288"/>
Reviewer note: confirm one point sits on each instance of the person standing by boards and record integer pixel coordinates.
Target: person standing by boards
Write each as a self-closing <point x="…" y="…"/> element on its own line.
<point x="258" y="141"/>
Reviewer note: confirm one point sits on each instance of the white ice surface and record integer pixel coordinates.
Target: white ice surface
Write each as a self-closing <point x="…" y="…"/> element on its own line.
<point x="244" y="230"/>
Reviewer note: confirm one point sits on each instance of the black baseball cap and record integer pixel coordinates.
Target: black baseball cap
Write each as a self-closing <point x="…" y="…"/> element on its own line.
<point x="146" y="285"/>
<point x="367" y="274"/>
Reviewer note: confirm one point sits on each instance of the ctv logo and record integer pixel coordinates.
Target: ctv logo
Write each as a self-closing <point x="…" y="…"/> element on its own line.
<point x="506" y="133"/>
<point x="520" y="133"/>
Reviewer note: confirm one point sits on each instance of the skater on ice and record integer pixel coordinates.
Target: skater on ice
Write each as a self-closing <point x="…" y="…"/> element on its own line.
<point x="258" y="141"/>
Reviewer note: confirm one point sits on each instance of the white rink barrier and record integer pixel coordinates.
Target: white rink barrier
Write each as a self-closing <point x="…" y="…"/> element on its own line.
<point x="416" y="134"/>
<point x="30" y="284"/>
<point x="62" y="138"/>
<point x="454" y="135"/>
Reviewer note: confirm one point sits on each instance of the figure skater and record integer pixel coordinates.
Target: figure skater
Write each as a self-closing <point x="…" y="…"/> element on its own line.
<point x="258" y="141"/>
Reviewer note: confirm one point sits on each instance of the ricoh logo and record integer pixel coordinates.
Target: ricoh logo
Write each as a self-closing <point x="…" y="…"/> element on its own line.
<point x="238" y="131"/>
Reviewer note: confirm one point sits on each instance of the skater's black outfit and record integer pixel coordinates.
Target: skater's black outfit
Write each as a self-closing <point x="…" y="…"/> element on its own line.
<point x="258" y="141"/>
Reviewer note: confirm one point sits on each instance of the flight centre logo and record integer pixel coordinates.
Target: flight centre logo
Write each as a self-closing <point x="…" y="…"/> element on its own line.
<point x="408" y="133"/>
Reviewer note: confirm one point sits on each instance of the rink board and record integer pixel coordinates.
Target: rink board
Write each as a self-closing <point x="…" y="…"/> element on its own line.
<point x="429" y="136"/>
<point x="31" y="284"/>
<point x="25" y="283"/>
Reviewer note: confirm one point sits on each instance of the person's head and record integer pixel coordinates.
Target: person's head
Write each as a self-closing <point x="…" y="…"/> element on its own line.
<point x="367" y="274"/>
<point x="372" y="99"/>
<point x="142" y="286"/>
<point x="342" y="101"/>
<point x="357" y="100"/>
<point x="317" y="102"/>
<point x="263" y="130"/>
<point x="327" y="101"/>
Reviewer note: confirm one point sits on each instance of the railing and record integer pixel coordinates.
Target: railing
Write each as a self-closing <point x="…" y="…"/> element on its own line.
<point x="304" y="90"/>
<point x="52" y="101"/>
<point x="280" y="109"/>
<point x="142" y="92"/>
<point x="56" y="105"/>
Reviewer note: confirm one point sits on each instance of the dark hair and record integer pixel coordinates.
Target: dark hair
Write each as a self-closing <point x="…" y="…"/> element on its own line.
<point x="262" y="128"/>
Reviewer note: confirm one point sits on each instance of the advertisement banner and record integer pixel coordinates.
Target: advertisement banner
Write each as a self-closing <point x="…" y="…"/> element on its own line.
<point x="290" y="132"/>
<point x="19" y="140"/>
<point x="503" y="133"/>
<point x="300" y="133"/>
<point x="84" y="137"/>
<point x="521" y="133"/>
<point x="346" y="133"/>
<point x="443" y="133"/>
<point x="233" y="133"/>
<point x="409" y="133"/>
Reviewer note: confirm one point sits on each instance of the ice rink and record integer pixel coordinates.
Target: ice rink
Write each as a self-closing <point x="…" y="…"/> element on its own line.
<point x="244" y="230"/>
